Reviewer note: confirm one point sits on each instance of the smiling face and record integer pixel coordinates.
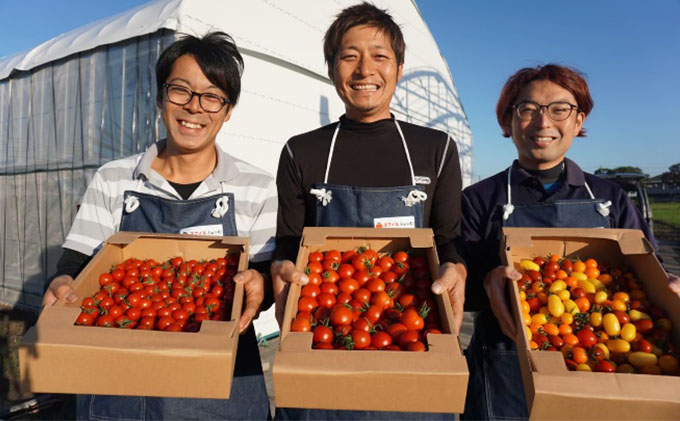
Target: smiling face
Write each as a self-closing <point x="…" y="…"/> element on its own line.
<point x="542" y="143"/>
<point x="190" y="128"/>
<point x="365" y="73"/>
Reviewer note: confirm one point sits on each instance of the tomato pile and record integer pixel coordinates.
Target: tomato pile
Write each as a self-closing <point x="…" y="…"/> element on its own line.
<point x="361" y="300"/>
<point x="172" y="296"/>
<point x="598" y="317"/>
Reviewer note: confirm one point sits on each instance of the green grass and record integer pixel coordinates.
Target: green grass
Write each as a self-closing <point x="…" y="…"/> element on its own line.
<point x="667" y="213"/>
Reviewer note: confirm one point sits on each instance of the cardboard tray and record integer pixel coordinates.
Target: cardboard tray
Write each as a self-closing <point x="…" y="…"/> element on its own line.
<point x="432" y="381"/>
<point x="552" y="391"/>
<point x="58" y="357"/>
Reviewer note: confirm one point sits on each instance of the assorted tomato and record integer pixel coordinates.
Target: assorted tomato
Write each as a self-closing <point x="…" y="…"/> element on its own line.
<point x="597" y="316"/>
<point x="173" y="296"/>
<point x="358" y="299"/>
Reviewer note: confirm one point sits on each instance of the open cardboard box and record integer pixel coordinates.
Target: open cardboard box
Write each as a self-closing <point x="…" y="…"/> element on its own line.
<point x="552" y="391"/>
<point x="432" y="381"/>
<point x="59" y="357"/>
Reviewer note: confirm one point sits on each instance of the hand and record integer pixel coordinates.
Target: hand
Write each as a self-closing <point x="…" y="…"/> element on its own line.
<point x="674" y="284"/>
<point x="61" y="288"/>
<point x="494" y="284"/>
<point x="284" y="273"/>
<point x="452" y="279"/>
<point x="253" y="284"/>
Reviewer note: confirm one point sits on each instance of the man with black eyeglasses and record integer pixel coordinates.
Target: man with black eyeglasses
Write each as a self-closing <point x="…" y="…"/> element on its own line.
<point x="184" y="184"/>
<point x="542" y="109"/>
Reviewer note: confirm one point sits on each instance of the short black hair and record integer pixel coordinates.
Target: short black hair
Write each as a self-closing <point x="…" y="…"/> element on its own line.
<point x="216" y="54"/>
<point x="362" y="14"/>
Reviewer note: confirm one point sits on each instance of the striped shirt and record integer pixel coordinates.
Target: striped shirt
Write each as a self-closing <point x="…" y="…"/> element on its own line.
<point x="101" y="209"/>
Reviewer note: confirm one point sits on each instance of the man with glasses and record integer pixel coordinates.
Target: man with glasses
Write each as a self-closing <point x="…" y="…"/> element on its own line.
<point x="542" y="109"/>
<point x="184" y="184"/>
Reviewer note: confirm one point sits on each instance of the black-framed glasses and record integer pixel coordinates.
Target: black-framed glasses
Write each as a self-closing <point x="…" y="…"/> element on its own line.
<point x="557" y="111"/>
<point x="181" y="95"/>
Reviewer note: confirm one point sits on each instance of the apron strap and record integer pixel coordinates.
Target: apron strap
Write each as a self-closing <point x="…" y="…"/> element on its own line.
<point x="221" y="207"/>
<point x="131" y="204"/>
<point x="324" y="196"/>
<point x="414" y="197"/>
<point x="403" y="142"/>
<point x="408" y="155"/>
<point x="602" y="208"/>
<point x="508" y="208"/>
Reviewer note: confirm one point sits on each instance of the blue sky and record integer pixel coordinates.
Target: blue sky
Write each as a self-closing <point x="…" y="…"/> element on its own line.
<point x="629" y="50"/>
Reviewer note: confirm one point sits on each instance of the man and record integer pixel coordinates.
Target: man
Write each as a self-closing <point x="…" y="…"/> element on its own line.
<point x="184" y="184"/>
<point x="542" y="109"/>
<point x="368" y="168"/>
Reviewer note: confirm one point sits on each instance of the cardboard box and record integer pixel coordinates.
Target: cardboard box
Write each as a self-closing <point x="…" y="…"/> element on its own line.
<point x="57" y="356"/>
<point x="432" y="381"/>
<point x="552" y="391"/>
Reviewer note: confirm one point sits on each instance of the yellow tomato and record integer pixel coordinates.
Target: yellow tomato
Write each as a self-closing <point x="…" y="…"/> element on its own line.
<point x="567" y="318"/>
<point x="527" y="319"/>
<point x="580" y="276"/>
<point x="558" y="286"/>
<point x="522" y="295"/>
<point x="618" y="346"/>
<point x="587" y="286"/>
<point x="564" y="295"/>
<point x="642" y="359"/>
<point x="541" y="319"/>
<point x="611" y="324"/>
<point x="583" y="367"/>
<point x="525" y="307"/>
<point x="636" y="315"/>
<point x="600" y="297"/>
<point x="599" y="286"/>
<point x="596" y="318"/>
<point x="527" y="265"/>
<point x="570" y="307"/>
<point x="555" y="306"/>
<point x="628" y="332"/>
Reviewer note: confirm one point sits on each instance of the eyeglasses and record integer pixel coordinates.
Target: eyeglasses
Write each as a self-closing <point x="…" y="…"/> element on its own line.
<point x="181" y="95"/>
<point x="557" y="111"/>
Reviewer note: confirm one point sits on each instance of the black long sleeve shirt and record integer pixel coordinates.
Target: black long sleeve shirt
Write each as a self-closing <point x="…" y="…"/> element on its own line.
<point x="369" y="155"/>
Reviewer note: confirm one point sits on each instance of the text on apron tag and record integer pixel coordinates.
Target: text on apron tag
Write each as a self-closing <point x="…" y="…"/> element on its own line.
<point x="215" y="229"/>
<point x="395" y="222"/>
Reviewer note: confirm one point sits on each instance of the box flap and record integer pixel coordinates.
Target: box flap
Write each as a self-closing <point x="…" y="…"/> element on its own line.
<point x="630" y="241"/>
<point x="316" y="236"/>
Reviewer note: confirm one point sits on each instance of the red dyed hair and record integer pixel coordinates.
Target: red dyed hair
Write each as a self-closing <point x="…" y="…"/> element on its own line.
<point x="570" y="79"/>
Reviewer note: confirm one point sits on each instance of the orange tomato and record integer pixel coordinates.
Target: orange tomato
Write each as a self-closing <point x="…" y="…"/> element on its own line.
<point x="591" y="263"/>
<point x="570" y="339"/>
<point x="593" y="273"/>
<point x="565" y="329"/>
<point x="583" y="304"/>
<point x="579" y="266"/>
<point x="551" y="329"/>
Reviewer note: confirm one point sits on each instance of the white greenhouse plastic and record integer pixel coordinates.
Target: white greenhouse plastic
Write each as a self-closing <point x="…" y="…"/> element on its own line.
<point x="88" y="96"/>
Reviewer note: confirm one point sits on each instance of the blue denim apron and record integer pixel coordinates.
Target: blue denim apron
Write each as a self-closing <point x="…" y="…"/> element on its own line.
<point x="495" y="388"/>
<point x="347" y="206"/>
<point x="248" y="399"/>
<point x="386" y="207"/>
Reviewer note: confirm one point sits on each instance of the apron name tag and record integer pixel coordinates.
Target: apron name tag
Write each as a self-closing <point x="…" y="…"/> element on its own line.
<point x="215" y="229"/>
<point x="395" y="222"/>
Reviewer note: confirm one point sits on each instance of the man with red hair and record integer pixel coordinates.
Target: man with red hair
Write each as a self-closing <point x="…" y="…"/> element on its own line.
<point x="542" y="109"/>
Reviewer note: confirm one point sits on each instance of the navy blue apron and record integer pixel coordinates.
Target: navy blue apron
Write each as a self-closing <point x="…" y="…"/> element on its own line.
<point x="347" y="206"/>
<point x="385" y="207"/>
<point x="495" y="388"/>
<point x="248" y="399"/>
